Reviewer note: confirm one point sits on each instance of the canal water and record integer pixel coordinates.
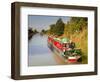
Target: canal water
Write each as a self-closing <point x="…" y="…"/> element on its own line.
<point x="38" y="52"/>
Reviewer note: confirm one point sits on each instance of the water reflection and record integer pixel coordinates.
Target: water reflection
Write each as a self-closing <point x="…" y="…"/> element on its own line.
<point x="39" y="53"/>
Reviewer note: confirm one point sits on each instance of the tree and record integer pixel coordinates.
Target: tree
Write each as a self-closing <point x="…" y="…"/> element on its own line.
<point x="43" y="31"/>
<point x="76" y="24"/>
<point x="52" y="28"/>
<point x="59" y="27"/>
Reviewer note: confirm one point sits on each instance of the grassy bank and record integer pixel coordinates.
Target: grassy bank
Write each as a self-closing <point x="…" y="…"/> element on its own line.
<point x="81" y="41"/>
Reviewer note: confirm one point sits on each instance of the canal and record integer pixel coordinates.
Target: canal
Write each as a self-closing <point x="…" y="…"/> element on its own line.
<point x="38" y="52"/>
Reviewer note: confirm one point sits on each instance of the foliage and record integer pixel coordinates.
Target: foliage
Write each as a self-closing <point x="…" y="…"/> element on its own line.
<point x="76" y="24"/>
<point x="58" y="28"/>
<point x="30" y="31"/>
<point x="52" y="29"/>
<point x="73" y="51"/>
<point x="43" y="31"/>
<point x="76" y="29"/>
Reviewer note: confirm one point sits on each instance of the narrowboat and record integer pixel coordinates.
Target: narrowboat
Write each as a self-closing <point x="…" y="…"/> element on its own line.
<point x="65" y="49"/>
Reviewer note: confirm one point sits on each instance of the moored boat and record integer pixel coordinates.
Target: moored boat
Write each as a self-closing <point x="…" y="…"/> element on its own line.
<point x="65" y="49"/>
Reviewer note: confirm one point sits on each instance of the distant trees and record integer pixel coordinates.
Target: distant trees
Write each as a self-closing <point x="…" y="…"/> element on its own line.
<point x="75" y="24"/>
<point x="58" y="28"/>
<point x="31" y="32"/>
<point x="43" y="31"/>
<point x="35" y="31"/>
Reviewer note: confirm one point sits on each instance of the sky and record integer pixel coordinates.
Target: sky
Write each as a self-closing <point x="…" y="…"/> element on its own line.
<point x="40" y="22"/>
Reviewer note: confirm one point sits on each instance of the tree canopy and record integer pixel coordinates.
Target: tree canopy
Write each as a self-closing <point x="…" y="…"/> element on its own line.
<point x="58" y="28"/>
